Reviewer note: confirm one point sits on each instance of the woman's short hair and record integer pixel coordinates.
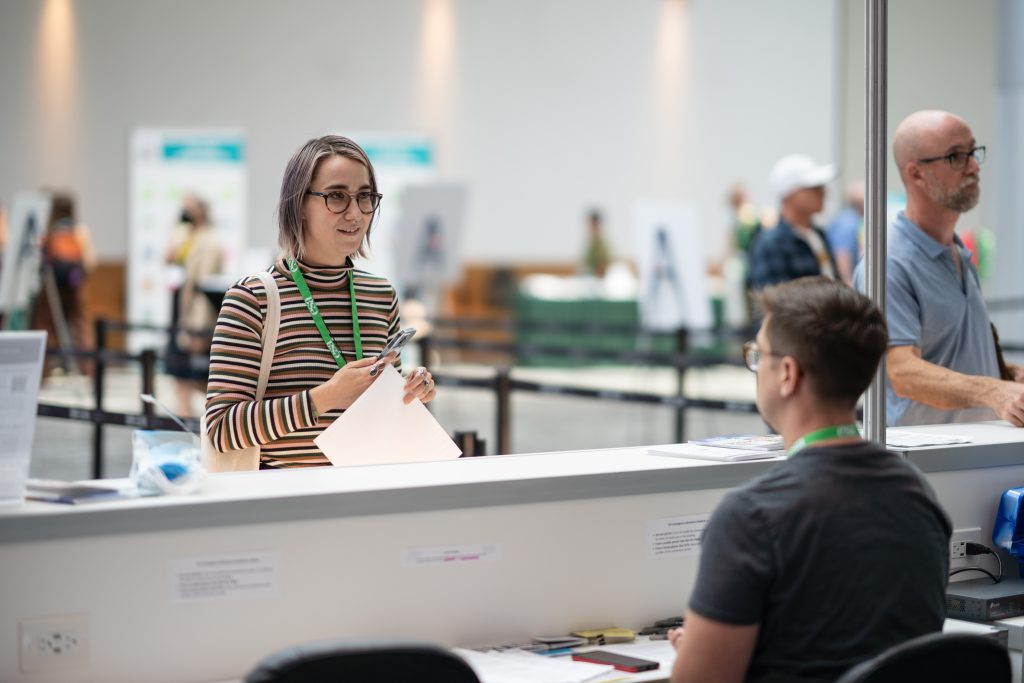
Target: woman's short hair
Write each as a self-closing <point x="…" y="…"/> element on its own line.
<point x="298" y="174"/>
<point x="834" y="332"/>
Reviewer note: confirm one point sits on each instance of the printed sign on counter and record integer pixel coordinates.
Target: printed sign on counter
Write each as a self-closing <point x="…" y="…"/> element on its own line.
<point x="676" y="536"/>
<point x="226" y="577"/>
<point x="455" y="554"/>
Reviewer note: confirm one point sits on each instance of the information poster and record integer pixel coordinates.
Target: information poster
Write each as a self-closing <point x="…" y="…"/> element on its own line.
<point x="429" y="234"/>
<point x="400" y="160"/>
<point x="673" y="281"/>
<point x="166" y="164"/>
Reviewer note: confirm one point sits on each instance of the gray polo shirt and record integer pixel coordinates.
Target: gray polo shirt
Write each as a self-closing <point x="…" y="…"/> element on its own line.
<point x="930" y="307"/>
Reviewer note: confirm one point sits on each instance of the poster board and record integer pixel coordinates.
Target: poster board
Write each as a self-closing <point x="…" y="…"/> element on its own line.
<point x="400" y="160"/>
<point x="673" y="280"/>
<point x="428" y="237"/>
<point x="22" y="258"/>
<point x="167" y="163"/>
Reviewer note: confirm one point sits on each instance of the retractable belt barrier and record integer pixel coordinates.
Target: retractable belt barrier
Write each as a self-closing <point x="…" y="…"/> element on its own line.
<point x="501" y="384"/>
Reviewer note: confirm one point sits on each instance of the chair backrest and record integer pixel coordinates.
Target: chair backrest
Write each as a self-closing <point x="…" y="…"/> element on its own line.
<point x="936" y="658"/>
<point x="363" y="662"/>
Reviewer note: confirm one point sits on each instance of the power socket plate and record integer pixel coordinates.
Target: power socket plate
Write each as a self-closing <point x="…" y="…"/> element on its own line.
<point x="53" y="643"/>
<point x="958" y="547"/>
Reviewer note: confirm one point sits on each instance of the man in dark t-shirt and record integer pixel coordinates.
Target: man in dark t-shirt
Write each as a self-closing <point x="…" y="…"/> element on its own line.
<point x="839" y="552"/>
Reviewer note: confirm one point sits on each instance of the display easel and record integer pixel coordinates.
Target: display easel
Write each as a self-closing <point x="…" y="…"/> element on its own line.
<point x="24" y="274"/>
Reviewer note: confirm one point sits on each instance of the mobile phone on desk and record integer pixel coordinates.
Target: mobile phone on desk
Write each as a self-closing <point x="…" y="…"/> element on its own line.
<point x="620" y="662"/>
<point x="395" y="345"/>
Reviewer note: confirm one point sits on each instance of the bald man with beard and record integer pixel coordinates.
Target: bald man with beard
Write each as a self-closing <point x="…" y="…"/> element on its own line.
<point x="942" y="364"/>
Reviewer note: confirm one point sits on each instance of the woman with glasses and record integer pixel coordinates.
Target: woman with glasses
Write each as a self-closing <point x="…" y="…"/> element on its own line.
<point x="335" y="318"/>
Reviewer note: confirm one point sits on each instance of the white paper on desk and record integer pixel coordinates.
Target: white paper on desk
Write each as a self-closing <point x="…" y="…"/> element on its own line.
<point x="700" y="452"/>
<point x="900" y="439"/>
<point x="516" y="666"/>
<point x="378" y="428"/>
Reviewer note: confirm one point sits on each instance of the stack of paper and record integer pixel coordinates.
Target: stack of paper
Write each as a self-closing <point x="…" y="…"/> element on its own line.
<point x="900" y="439"/>
<point x="749" y="442"/>
<point x="515" y="666"/>
<point x="693" y="450"/>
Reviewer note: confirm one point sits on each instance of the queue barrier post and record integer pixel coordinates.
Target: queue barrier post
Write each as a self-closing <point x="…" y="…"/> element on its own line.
<point x="503" y="411"/>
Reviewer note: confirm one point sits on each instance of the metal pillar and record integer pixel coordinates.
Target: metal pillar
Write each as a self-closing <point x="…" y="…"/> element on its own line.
<point x="876" y="37"/>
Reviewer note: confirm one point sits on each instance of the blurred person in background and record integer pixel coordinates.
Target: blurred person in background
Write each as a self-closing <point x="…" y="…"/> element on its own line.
<point x="335" y="318"/>
<point x="795" y="247"/>
<point x="845" y="230"/>
<point x="745" y="224"/>
<point x="68" y="258"/>
<point x="596" y="255"/>
<point x="195" y="252"/>
<point x="735" y="268"/>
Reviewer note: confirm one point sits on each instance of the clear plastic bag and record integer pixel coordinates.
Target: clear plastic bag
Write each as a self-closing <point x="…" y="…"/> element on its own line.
<point x="166" y="462"/>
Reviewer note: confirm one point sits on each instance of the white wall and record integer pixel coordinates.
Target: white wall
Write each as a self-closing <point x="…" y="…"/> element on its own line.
<point x="545" y="108"/>
<point x="942" y="55"/>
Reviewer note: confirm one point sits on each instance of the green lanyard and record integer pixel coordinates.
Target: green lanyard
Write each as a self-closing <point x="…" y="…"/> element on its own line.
<point x="838" y="431"/>
<point x="314" y="310"/>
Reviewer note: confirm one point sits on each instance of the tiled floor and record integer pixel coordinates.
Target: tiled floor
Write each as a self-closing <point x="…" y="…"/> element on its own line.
<point x="540" y="422"/>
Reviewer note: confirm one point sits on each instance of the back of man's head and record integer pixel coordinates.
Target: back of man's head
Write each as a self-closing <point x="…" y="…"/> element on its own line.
<point x="835" y="333"/>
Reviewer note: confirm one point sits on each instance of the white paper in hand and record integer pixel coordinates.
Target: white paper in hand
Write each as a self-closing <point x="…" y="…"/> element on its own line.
<point x="378" y="428"/>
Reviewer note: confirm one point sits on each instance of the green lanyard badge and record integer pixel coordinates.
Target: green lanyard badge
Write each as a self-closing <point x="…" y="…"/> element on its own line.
<point x="314" y="310"/>
<point x="835" y="432"/>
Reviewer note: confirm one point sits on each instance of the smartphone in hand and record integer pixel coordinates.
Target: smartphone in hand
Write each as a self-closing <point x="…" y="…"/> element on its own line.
<point x="394" y="345"/>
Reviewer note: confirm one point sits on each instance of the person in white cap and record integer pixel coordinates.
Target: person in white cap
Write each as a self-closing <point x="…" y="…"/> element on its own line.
<point x="795" y="247"/>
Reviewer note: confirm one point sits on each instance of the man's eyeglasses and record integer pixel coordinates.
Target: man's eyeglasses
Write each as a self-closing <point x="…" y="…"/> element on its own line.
<point x="752" y="355"/>
<point x="337" y="202"/>
<point x="957" y="160"/>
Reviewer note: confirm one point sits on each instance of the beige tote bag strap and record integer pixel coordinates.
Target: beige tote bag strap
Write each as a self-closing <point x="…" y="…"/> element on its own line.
<point x="270" y="329"/>
<point x="247" y="459"/>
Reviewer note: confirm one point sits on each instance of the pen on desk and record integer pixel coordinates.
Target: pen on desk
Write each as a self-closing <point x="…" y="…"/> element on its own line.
<point x="659" y="636"/>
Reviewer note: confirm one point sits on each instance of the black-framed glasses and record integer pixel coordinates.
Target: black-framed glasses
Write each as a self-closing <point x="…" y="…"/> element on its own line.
<point x="957" y="160"/>
<point x="338" y="202"/>
<point x="752" y="355"/>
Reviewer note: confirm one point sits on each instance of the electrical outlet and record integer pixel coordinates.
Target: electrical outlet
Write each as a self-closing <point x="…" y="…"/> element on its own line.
<point x="50" y="643"/>
<point x="958" y="546"/>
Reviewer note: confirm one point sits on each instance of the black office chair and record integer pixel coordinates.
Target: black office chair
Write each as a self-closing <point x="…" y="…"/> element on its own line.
<point x="362" y="662"/>
<point x="936" y="658"/>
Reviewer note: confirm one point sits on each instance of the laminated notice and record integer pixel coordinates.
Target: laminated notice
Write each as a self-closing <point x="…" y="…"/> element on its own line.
<point x="676" y="536"/>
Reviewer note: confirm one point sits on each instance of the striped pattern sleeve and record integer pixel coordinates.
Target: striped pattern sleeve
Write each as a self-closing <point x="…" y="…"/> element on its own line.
<point x="233" y="416"/>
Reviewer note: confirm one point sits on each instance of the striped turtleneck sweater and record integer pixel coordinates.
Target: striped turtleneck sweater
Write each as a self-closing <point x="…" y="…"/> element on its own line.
<point x="285" y="422"/>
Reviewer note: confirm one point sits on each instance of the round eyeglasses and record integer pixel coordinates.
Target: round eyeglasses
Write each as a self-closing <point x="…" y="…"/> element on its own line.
<point x="338" y="202"/>
<point x="958" y="160"/>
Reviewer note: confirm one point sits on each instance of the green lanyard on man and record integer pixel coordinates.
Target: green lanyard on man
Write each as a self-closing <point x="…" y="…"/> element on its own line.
<point x="834" y="432"/>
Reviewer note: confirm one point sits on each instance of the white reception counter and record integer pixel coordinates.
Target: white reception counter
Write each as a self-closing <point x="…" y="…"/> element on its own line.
<point x="465" y="552"/>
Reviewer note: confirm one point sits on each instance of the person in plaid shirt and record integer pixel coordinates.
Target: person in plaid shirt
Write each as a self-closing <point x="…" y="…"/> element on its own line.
<point x="794" y="247"/>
